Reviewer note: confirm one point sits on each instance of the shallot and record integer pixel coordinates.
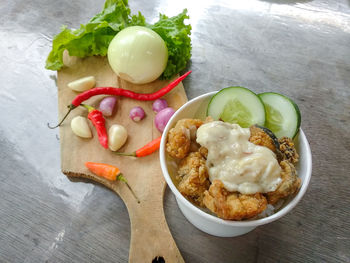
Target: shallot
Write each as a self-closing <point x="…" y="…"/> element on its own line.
<point x="159" y="104"/>
<point x="163" y="117"/>
<point x="107" y="105"/>
<point x="137" y="113"/>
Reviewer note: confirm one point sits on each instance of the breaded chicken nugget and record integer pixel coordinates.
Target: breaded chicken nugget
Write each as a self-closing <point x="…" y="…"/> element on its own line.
<point x="289" y="185"/>
<point x="194" y="177"/>
<point x="264" y="137"/>
<point x="203" y="151"/>
<point x="288" y="150"/>
<point x="179" y="137"/>
<point x="233" y="206"/>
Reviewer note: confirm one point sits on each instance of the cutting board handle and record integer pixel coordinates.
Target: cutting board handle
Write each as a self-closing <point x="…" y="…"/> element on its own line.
<point x="151" y="240"/>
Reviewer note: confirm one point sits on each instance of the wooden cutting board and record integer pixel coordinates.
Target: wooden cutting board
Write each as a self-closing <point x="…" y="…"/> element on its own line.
<point x="150" y="235"/>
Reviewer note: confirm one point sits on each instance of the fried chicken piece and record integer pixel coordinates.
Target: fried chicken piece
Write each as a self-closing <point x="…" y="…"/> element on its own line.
<point x="264" y="137"/>
<point x="179" y="137"/>
<point x="288" y="150"/>
<point x="194" y="177"/>
<point x="203" y="151"/>
<point x="289" y="185"/>
<point x="233" y="205"/>
<point x="259" y="137"/>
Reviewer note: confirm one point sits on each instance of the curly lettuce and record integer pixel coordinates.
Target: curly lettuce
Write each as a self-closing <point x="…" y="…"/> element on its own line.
<point x="176" y="36"/>
<point x="94" y="37"/>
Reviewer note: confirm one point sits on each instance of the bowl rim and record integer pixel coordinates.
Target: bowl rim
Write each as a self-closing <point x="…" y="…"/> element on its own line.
<point x="218" y="220"/>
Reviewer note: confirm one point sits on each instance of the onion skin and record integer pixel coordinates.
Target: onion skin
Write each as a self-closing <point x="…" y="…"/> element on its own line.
<point x="162" y="118"/>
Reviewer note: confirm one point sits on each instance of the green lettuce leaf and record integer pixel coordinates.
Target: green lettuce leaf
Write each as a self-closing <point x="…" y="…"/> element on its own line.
<point x="94" y="37"/>
<point x="176" y="36"/>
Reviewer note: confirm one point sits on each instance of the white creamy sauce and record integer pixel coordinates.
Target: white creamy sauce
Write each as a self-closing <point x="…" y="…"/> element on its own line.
<point x="241" y="165"/>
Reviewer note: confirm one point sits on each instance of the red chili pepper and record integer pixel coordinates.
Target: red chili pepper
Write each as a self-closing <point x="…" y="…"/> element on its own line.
<point x="97" y="119"/>
<point x="120" y="92"/>
<point x="109" y="172"/>
<point x="148" y="149"/>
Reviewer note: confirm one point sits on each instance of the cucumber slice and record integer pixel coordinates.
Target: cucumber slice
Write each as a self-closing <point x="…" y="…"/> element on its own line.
<point x="282" y="114"/>
<point x="237" y="105"/>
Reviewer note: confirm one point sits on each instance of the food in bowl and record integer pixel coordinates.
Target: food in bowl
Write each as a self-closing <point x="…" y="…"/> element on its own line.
<point x="233" y="172"/>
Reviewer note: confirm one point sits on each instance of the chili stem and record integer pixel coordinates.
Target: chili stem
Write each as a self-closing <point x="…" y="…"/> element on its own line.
<point x="133" y="154"/>
<point x="120" y="177"/>
<point x="88" y="107"/>
<point x="70" y="108"/>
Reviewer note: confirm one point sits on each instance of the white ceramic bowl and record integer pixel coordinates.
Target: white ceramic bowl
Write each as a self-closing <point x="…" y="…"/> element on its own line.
<point x="206" y="222"/>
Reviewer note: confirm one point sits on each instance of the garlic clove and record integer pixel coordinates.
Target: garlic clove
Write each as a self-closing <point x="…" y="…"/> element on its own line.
<point x="117" y="136"/>
<point x="82" y="84"/>
<point x="80" y="127"/>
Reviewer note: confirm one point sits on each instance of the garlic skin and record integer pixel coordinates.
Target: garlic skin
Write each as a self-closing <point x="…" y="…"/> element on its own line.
<point x="82" y="84"/>
<point x="80" y="127"/>
<point x="117" y="136"/>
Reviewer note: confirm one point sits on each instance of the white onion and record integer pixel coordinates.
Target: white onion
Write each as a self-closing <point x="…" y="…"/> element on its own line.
<point x="138" y="54"/>
<point x="162" y="118"/>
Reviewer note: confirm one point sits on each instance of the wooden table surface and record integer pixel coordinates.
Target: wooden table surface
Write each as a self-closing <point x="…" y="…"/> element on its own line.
<point x="299" y="48"/>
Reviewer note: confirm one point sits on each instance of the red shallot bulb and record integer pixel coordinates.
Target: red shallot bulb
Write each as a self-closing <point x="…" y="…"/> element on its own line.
<point x="163" y="117"/>
<point x="159" y="104"/>
<point x="137" y="113"/>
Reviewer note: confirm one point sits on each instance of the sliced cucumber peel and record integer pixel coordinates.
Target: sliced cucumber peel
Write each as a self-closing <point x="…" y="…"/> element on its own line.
<point x="237" y="105"/>
<point x="283" y="116"/>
